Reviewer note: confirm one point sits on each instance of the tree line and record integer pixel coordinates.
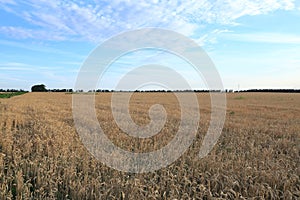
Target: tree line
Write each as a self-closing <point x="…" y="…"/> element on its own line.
<point x="202" y="91"/>
<point x="273" y="90"/>
<point x="42" y="88"/>
<point x="12" y="90"/>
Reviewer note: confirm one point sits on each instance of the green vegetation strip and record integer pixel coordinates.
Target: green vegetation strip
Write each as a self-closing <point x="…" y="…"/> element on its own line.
<point x="7" y="95"/>
<point x="239" y="97"/>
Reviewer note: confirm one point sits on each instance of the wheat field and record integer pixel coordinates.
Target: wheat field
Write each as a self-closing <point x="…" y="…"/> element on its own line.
<point x="256" y="157"/>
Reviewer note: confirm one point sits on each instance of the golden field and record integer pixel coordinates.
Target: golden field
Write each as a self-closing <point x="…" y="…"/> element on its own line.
<point x="256" y="157"/>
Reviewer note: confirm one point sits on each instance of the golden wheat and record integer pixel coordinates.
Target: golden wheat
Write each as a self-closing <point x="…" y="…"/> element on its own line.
<point x="257" y="155"/>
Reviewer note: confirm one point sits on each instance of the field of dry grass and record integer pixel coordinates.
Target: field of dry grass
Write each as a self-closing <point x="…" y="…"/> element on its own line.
<point x="257" y="155"/>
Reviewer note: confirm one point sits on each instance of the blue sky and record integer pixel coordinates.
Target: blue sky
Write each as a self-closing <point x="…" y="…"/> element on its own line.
<point x="254" y="44"/>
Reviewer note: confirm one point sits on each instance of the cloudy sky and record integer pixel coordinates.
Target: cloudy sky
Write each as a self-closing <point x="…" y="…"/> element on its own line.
<point x="253" y="43"/>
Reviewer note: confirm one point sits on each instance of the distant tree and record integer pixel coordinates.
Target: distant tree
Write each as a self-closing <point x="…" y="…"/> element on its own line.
<point x="39" y="88"/>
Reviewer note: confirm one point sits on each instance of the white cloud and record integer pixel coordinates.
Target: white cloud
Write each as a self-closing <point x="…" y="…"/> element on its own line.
<point x="25" y="33"/>
<point x="16" y="66"/>
<point x="227" y="11"/>
<point x="7" y="2"/>
<point x="88" y="21"/>
<point x="211" y="37"/>
<point x="275" y="38"/>
<point x="38" y="47"/>
<point x="13" y="64"/>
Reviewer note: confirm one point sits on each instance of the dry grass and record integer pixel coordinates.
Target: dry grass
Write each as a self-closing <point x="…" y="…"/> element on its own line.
<point x="257" y="156"/>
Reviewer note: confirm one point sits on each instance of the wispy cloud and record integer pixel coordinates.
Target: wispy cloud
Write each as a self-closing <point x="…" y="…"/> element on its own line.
<point x="14" y="74"/>
<point x="211" y="37"/>
<point x="275" y="38"/>
<point x="53" y="37"/>
<point x="8" y="2"/>
<point x="25" y="33"/>
<point x="15" y="66"/>
<point x="96" y="20"/>
<point x="71" y="63"/>
<point x="37" y="47"/>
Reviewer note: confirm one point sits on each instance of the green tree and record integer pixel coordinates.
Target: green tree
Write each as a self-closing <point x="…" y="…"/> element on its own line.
<point x="39" y="88"/>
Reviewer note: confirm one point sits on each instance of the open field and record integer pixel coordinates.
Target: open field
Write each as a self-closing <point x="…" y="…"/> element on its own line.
<point x="257" y="155"/>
